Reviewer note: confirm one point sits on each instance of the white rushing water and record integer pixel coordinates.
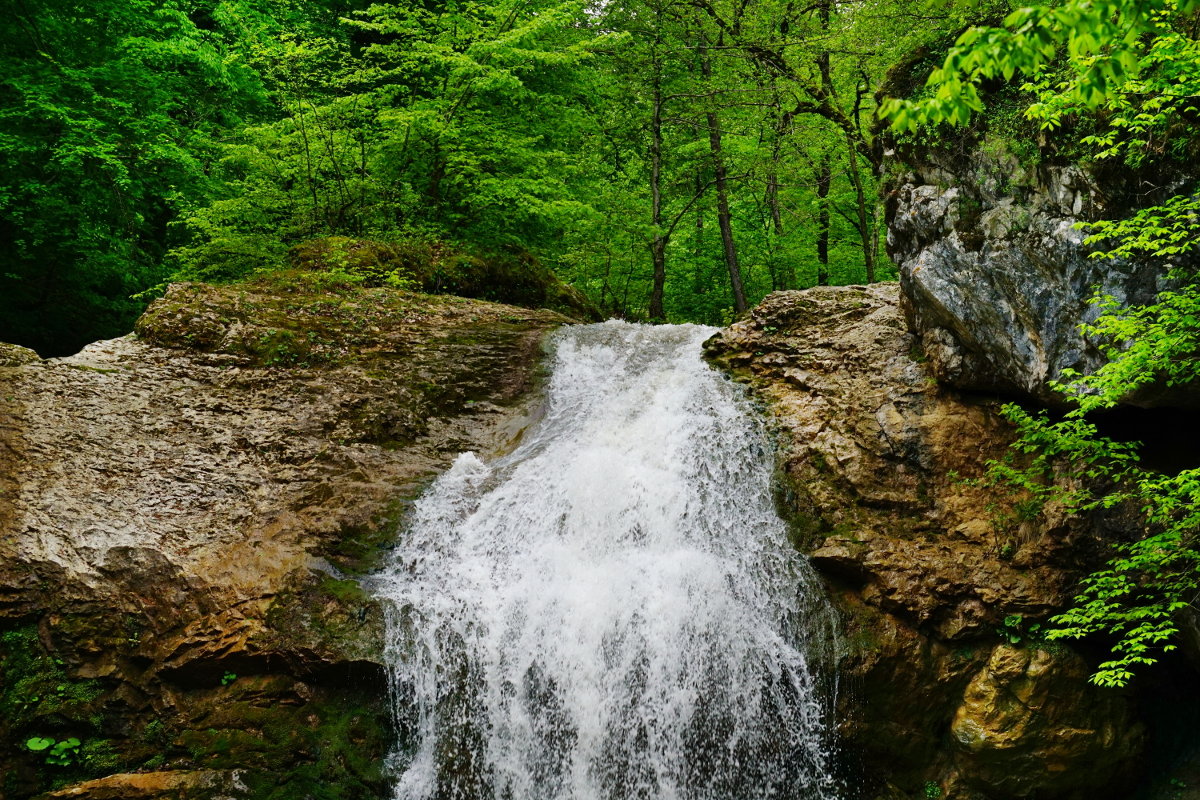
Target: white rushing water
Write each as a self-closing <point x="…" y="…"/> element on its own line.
<point x="613" y="611"/>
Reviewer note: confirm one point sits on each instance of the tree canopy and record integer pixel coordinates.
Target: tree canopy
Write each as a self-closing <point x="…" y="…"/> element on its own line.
<point x="674" y="160"/>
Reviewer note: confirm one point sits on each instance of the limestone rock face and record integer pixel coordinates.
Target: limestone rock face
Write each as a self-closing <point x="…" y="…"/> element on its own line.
<point x="875" y="454"/>
<point x="1029" y="719"/>
<point x="996" y="279"/>
<point x="183" y="512"/>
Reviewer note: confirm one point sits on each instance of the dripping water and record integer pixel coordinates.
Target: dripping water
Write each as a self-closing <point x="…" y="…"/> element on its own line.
<point x="613" y="610"/>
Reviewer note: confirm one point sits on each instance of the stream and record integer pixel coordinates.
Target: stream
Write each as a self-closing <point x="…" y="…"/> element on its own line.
<point x="613" y="610"/>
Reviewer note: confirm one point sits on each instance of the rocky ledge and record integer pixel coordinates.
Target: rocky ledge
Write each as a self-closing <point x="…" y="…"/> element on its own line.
<point x="948" y="690"/>
<point x="184" y="512"/>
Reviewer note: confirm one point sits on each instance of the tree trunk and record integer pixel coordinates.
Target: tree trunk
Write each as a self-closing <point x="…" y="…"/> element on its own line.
<point x="782" y="125"/>
<point x="825" y="8"/>
<point x="824" y="174"/>
<point x="864" y="229"/>
<point x="721" y="180"/>
<point x="658" y="247"/>
<point x="725" y="221"/>
<point x="786" y="277"/>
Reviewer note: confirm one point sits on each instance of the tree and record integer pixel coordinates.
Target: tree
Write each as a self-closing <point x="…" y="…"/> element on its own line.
<point x="144" y="141"/>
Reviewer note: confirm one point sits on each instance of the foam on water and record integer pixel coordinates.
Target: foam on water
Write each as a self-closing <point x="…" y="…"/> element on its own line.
<point x="613" y="611"/>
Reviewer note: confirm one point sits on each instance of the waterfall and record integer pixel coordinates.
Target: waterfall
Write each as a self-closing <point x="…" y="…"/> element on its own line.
<point x="612" y="611"/>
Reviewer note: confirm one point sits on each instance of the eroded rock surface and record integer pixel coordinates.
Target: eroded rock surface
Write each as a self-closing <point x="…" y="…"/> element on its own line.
<point x="169" y="785"/>
<point x="996" y="278"/>
<point x="183" y="512"/>
<point x="1028" y="720"/>
<point x="924" y="566"/>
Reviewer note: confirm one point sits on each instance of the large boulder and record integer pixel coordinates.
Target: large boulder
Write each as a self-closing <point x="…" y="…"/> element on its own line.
<point x="930" y="572"/>
<point x="1028" y="719"/>
<point x="995" y="274"/>
<point x="183" y="517"/>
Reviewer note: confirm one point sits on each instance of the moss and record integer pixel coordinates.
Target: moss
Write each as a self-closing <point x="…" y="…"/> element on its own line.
<point x="360" y="549"/>
<point x="334" y="620"/>
<point x="342" y="262"/>
<point x="861" y="628"/>
<point x="276" y="321"/>
<point x="1009" y="132"/>
<point x="36" y="685"/>
<point x="347" y="592"/>
<point x="155" y="733"/>
<point x="333" y="748"/>
<point x="861" y="639"/>
<point x="506" y="276"/>
<point x="155" y="762"/>
<point x="805" y="530"/>
<point x="284" y="347"/>
<point x="39" y="698"/>
<point x="100" y="757"/>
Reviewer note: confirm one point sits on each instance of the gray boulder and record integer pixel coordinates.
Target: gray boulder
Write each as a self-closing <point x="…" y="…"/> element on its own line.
<point x="996" y="278"/>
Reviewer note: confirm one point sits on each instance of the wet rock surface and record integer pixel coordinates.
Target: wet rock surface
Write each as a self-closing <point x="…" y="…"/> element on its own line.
<point x="1029" y="720"/>
<point x="184" y="512"/>
<point x="996" y="277"/>
<point x="170" y="785"/>
<point x="929" y="573"/>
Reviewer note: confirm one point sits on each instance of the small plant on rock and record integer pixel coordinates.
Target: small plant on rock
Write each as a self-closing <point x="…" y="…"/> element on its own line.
<point x="1016" y="631"/>
<point x="58" y="753"/>
<point x="39" y="743"/>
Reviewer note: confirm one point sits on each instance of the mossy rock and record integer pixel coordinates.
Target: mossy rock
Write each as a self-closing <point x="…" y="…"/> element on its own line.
<point x="334" y="748"/>
<point x="43" y="706"/>
<point x="510" y="275"/>
<point x="13" y="355"/>
<point x="329" y="621"/>
<point x="180" y="322"/>
<point x="364" y="262"/>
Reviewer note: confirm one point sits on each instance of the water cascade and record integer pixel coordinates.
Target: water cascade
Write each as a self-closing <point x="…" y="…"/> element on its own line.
<point x="612" y="611"/>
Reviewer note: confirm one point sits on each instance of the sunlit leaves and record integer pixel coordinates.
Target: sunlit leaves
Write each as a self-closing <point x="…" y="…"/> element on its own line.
<point x="1135" y="600"/>
<point x="1114" y="50"/>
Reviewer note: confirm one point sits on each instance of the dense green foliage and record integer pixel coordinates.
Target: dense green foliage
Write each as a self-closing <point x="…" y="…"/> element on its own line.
<point x="108" y="113"/>
<point x="1135" y="68"/>
<point x="672" y="159"/>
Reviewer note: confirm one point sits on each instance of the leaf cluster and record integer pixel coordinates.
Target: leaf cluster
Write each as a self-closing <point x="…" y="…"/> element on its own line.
<point x="1081" y="55"/>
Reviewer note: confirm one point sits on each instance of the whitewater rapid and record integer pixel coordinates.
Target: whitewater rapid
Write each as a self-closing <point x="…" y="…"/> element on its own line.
<point x="613" y="611"/>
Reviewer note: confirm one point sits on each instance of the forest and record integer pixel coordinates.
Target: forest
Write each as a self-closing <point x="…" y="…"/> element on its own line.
<point x="672" y="160"/>
<point x="311" y="487"/>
